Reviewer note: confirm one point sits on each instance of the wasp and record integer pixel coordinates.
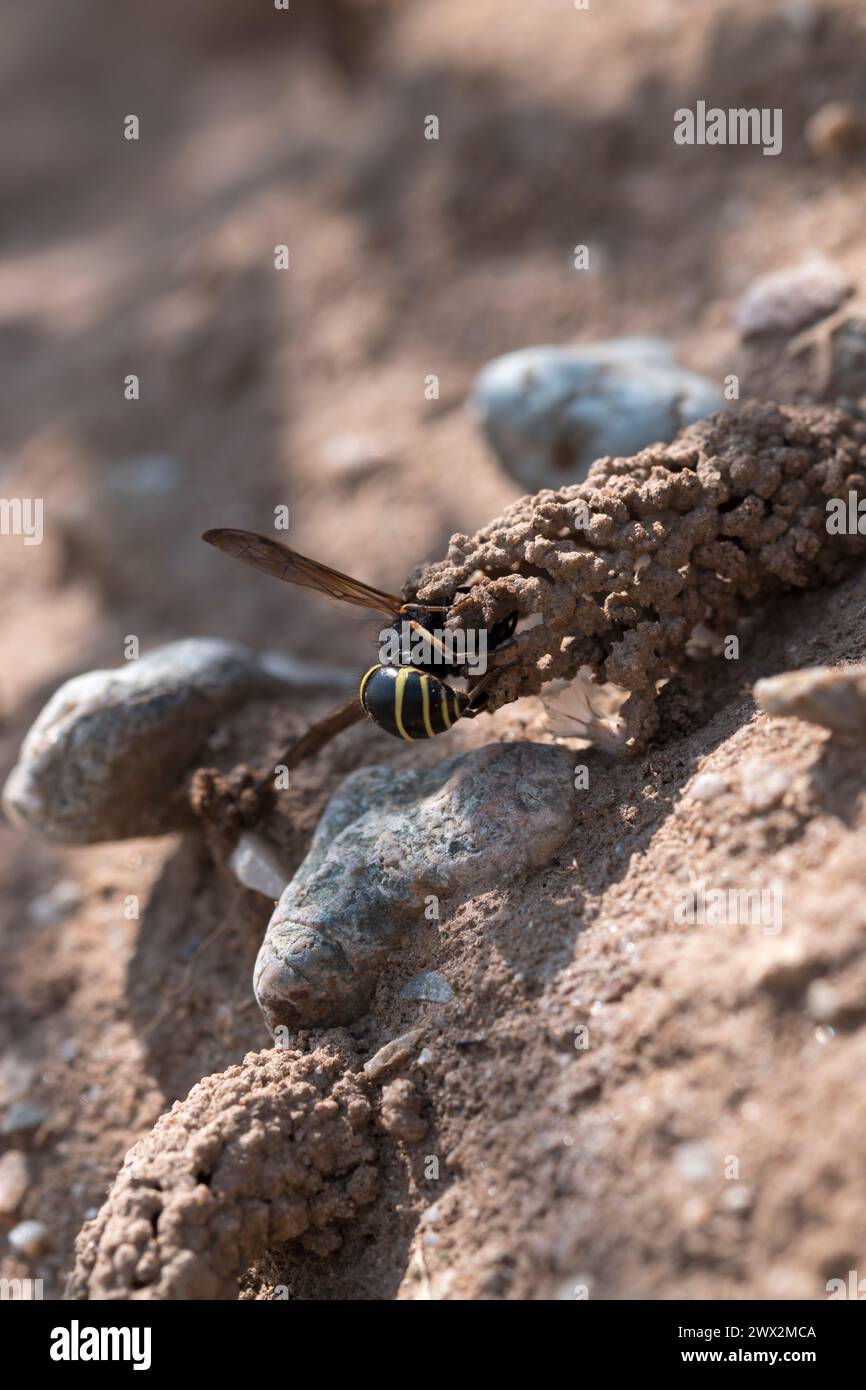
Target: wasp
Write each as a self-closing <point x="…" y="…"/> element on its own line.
<point x="407" y="700"/>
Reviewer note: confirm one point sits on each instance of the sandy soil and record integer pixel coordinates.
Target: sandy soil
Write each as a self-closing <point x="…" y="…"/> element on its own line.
<point x="559" y="1168"/>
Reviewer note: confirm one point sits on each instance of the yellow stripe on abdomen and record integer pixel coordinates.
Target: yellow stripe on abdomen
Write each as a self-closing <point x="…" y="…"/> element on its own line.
<point x="363" y="685"/>
<point x="399" y="691"/>
<point x="446" y="717"/>
<point x="425" y="706"/>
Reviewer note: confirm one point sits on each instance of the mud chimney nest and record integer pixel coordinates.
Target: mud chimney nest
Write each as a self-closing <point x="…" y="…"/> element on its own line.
<point x="619" y="571"/>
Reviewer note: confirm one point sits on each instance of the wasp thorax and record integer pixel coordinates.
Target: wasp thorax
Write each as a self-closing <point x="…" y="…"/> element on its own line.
<point x="407" y="642"/>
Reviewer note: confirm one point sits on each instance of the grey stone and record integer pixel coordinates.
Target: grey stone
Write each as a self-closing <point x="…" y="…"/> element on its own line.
<point x="846" y="369"/>
<point x="14" y="1181"/>
<point x="707" y="786"/>
<point x="787" y="301"/>
<point x="17" y="1075"/>
<point x="763" y="783"/>
<point x="549" y="412"/>
<point x="392" y="1054"/>
<point x="387" y="842"/>
<point x="836" y="130"/>
<point x="430" y="986"/>
<point x="24" y="1117"/>
<point x="106" y="757"/>
<point x="256" y="865"/>
<point x="833" y="697"/>
<point x="59" y="902"/>
<point x="30" y="1239"/>
<point x="696" y="1162"/>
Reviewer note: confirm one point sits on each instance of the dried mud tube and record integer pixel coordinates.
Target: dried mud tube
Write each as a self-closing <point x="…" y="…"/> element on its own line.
<point x="277" y="1149"/>
<point x="621" y="569"/>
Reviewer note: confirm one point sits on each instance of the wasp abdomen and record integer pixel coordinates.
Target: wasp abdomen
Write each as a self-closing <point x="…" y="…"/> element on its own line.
<point x="409" y="703"/>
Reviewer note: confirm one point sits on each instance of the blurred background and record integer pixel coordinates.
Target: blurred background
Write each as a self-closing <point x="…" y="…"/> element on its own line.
<point x="306" y="387"/>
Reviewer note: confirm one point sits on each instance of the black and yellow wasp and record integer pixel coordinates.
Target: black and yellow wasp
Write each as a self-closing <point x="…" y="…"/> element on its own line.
<point x="408" y="700"/>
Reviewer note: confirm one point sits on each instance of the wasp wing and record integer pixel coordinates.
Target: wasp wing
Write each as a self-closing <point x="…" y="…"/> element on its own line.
<point x="264" y="553"/>
<point x="586" y="711"/>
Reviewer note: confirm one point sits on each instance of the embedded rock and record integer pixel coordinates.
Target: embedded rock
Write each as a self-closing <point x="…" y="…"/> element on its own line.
<point x="387" y="842"/>
<point x="548" y="412"/>
<point x="106" y="757"/>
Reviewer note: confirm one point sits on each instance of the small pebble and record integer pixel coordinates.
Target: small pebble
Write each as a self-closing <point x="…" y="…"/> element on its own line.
<point x="24" y="1117"/>
<point x="822" y="1002"/>
<point x="401" y="1107"/>
<point x="780" y="963"/>
<point x="835" y="130"/>
<point x="14" y="1181"/>
<point x="429" y="985"/>
<point x="256" y="865"/>
<point x="58" y="903"/>
<point x="349" y="455"/>
<point x="695" y="1212"/>
<point x="393" y="1053"/>
<point x="737" y="1197"/>
<point x="830" y="696"/>
<point x="29" y="1238"/>
<point x="786" y="301"/>
<point x="695" y="1162"/>
<point x="763" y="783"/>
<point x="707" y="786"/>
<point x="16" y="1077"/>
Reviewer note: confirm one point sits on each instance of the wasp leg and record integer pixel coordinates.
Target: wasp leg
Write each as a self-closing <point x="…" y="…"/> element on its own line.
<point x="321" y="733"/>
<point x="504" y="645"/>
<point x="431" y="638"/>
<point x="500" y="647"/>
<point x="480" y="689"/>
<point x="243" y="798"/>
